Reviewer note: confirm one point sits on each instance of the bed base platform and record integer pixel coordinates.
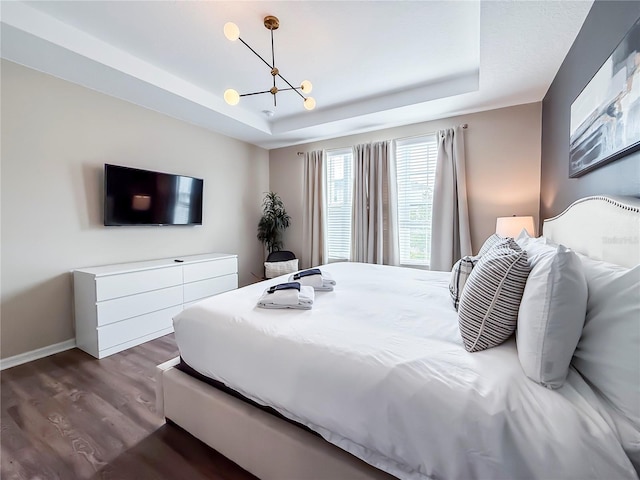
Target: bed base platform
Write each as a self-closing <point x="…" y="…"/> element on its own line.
<point x="269" y="447"/>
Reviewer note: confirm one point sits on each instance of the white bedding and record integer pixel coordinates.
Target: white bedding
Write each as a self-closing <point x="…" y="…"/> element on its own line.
<point x="378" y="368"/>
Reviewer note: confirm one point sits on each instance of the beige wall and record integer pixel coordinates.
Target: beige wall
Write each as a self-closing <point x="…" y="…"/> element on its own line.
<point x="503" y="166"/>
<point x="56" y="137"/>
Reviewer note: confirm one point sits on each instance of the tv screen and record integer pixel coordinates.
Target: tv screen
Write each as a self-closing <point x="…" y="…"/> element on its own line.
<point x="142" y="197"/>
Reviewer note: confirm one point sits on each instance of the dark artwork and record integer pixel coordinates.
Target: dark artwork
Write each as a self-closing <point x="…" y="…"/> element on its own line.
<point x="605" y="118"/>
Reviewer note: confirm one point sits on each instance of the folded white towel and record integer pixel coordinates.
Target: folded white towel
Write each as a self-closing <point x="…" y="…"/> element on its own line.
<point x="290" y="298"/>
<point x="314" y="281"/>
<point x="322" y="282"/>
<point x="327" y="279"/>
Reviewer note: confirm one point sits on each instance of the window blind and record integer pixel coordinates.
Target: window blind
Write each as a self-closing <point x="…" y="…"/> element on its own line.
<point x="416" y="171"/>
<point x="339" y="201"/>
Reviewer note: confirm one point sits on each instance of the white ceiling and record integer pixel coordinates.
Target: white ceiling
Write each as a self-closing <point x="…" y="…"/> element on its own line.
<point x="373" y="64"/>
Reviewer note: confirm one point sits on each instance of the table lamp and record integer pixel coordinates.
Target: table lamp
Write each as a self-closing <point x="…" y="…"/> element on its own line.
<point x="512" y="226"/>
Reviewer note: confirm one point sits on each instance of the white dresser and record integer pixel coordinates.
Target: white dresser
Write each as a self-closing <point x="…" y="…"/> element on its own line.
<point x="119" y="306"/>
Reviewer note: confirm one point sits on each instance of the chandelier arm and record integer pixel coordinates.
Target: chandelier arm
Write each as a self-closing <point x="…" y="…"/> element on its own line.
<point x="273" y="61"/>
<point x="273" y="54"/>
<point x="292" y="87"/>
<point x="255" y="93"/>
<point x="256" y="53"/>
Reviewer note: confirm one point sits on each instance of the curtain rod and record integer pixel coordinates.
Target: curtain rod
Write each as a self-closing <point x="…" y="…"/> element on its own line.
<point x="463" y="126"/>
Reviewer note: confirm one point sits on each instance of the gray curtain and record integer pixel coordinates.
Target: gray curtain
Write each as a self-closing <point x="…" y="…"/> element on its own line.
<point x="374" y="233"/>
<point x="314" y="250"/>
<point x="450" y="235"/>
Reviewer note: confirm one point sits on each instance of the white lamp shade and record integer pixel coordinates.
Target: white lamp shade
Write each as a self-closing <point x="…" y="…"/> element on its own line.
<point x="231" y="31"/>
<point x="231" y="96"/>
<point x="512" y="226"/>
<point x="309" y="103"/>
<point x="306" y="86"/>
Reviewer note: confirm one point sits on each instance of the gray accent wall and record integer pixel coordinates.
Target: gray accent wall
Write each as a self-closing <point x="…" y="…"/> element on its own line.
<point x="605" y="26"/>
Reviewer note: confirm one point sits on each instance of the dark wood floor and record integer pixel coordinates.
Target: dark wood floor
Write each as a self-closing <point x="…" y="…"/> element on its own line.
<point x="71" y="416"/>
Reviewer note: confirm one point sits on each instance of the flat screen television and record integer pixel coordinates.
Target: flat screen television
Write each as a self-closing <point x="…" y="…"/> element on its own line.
<point x="142" y="197"/>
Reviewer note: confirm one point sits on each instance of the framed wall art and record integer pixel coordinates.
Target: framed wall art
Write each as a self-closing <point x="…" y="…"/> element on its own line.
<point x="605" y="117"/>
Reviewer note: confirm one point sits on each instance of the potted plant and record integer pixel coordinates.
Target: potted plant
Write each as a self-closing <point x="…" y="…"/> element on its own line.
<point x="273" y="223"/>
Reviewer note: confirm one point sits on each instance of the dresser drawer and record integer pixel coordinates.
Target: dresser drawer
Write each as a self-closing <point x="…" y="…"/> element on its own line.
<point x="216" y="268"/>
<point x="114" y="286"/>
<point x="126" y="307"/>
<point x="132" y="328"/>
<point x="207" y="288"/>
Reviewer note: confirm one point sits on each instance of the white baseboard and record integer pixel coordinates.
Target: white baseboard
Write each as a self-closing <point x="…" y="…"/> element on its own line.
<point x="36" y="354"/>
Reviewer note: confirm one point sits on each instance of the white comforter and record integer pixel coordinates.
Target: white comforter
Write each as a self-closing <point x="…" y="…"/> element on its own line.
<point x="377" y="367"/>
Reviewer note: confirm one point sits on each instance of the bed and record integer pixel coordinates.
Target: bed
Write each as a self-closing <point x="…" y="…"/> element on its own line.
<point x="374" y="382"/>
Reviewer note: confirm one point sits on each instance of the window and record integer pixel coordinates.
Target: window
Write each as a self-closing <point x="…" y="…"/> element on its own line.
<point x="416" y="171"/>
<point x="339" y="200"/>
<point x="416" y="168"/>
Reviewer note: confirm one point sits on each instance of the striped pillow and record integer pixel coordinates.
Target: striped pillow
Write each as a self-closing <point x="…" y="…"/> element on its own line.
<point x="459" y="275"/>
<point x="488" y="243"/>
<point x="489" y="304"/>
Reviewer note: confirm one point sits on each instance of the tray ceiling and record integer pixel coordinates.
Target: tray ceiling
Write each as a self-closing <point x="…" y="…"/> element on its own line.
<point x="373" y="64"/>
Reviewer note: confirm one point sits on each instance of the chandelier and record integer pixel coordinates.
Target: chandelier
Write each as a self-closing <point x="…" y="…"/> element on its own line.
<point x="231" y="96"/>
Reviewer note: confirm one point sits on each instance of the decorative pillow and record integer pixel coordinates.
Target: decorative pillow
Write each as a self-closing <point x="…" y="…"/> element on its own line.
<point x="488" y="243"/>
<point x="459" y="275"/>
<point x="607" y="355"/>
<point x="489" y="304"/>
<point x="275" y="269"/>
<point x="551" y="313"/>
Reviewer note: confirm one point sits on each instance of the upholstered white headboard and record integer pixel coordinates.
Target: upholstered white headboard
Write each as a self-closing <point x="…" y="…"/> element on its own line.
<point x="603" y="227"/>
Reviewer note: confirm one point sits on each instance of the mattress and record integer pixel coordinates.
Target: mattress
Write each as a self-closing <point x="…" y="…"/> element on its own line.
<point x="377" y="367"/>
<point x="184" y="367"/>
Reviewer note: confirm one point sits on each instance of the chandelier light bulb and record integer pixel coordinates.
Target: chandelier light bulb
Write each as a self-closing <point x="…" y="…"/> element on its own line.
<point x="309" y="103"/>
<point x="306" y="86"/>
<point x="232" y="97"/>
<point x="231" y="31"/>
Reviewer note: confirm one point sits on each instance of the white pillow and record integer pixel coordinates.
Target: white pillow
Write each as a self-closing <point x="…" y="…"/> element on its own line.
<point x="608" y="354"/>
<point x="525" y="240"/>
<point x="275" y="269"/>
<point x="551" y="314"/>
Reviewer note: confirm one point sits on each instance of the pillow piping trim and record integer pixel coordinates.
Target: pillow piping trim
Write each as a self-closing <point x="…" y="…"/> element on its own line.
<point x="551" y="283"/>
